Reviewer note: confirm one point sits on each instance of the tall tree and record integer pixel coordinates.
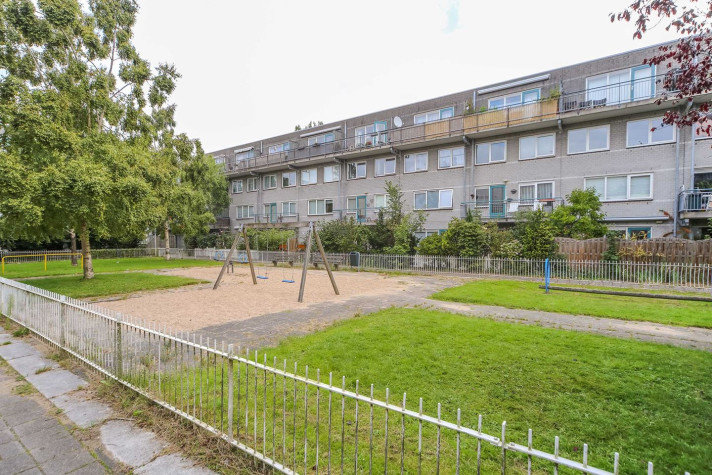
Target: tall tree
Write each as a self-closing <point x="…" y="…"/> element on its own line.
<point x="688" y="61"/>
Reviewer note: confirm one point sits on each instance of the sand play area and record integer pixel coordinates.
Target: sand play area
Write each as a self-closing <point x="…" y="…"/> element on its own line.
<point x="237" y="298"/>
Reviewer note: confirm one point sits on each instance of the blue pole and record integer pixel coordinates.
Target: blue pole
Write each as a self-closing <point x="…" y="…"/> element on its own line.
<point x="547" y="273"/>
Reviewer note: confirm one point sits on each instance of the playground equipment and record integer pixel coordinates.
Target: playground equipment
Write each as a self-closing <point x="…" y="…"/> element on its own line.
<point x="44" y="257"/>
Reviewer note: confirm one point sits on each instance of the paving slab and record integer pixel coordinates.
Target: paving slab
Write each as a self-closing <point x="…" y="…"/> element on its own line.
<point x="172" y="463"/>
<point x="67" y="462"/>
<point x="28" y="365"/>
<point x="18" y="463"/>
<point x="56" y="382"/>
<point x="17" y="349"/>
<point x="128" y="444"/>
<point x="82" y="411"/>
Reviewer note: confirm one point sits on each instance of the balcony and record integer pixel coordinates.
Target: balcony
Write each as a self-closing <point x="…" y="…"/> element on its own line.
<point x="276" y="218"/>
<point x="545" y="109"/>
<point x="696" y="204"/>
<point x="618" y="94"/>
<point x="506" y="210"/>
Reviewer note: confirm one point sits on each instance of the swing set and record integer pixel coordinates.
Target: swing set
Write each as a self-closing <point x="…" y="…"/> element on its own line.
<point x="263" y="271"/>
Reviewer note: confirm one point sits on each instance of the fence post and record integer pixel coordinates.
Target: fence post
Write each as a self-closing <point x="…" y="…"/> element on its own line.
<point x="62" y="322"/>
<point x="230" y="390"/>
<point x="118" y="357"/>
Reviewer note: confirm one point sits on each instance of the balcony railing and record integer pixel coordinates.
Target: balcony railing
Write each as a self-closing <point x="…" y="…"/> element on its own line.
<point x="276" y="218"/>
<point x="697" y="200"/>
<point x="507" y="209"/>
<point x="613" y="94"/>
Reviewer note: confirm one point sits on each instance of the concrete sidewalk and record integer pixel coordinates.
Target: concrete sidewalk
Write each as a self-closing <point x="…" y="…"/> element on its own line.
<point x="36" y="432"/>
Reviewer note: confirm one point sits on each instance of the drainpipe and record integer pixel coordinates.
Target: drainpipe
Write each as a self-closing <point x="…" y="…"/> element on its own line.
<point x="676" y="204"/>
<point x="692" y="157"/>
<point x="464" y="175"/>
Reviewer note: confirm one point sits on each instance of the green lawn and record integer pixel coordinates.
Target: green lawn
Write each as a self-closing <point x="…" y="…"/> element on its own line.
<point x="528" y="295"/>
<point x="36" y="269"/>
<point x="110" y="284"/>
<point x="643" y="400"/>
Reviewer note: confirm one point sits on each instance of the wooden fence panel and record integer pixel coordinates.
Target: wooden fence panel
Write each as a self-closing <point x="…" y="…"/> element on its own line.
<point x="667" y="249"/>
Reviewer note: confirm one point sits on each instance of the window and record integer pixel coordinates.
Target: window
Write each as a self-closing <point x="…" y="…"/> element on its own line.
<point x="482" y="197"/>
<point x="490" y="152"/>
<point x="321" y="206"/>
<point x="245" y="211"/>
<point x="434" y="199"/>
<point x="536" y="191"/>
<point x="289" y="179"/>
<point x="356" y="170"/>
<point x="237" y="186"/>
<point x="379" y="201"/>
<point x="372" y="134"/>
<point x="423" y="234"/>
<point x="516" y="99"/>
<point x="240" y="156"/>
<point x="451" y="158"/>
<point x="332" y="173"/>
<point x="622" y="86"/>
<point x="640" y="132"/>
<point x="308" y="176"/>
<point x="592" y="139"/>
<point x="536" y="146"/>
<point x="269" y="182"/>
<point x="432" y="116"/>
<point x="220" y="160"/>
<point x="351" y="204"/>
<point x="415" y="162"/>
<point x="385" y="166"/>
<point x="643" y="232"/>
<point x="320" y="139"/>
<point x="283" y="147"/>
<point x="289" y="208"/>
<point x="623" y="187"/>
<point x="252" y="184"/>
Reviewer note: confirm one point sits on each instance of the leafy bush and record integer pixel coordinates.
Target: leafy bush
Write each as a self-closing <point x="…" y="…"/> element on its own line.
<point x="431" y="245"/>
<point x="343" y="236"/>
<point x="581" y="218"/>
<point x="535" y="231"/>
<point x="465" y="238"/>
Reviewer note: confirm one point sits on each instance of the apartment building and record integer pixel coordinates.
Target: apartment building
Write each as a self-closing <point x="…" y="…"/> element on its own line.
<point x="496" y="149"/>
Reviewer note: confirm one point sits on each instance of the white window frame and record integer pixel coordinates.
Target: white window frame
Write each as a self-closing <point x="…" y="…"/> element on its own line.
<point x="628" y="180"/>
<point x="316" y="201"/>
<point x="240" y="211"/>
<point x="489" y="152"/>
<point x="356" y="167"/>
<point x="289" y="205"/>
<point x="321" y="139"/>
<point x="273" y="182"/>
<point x="242" y="156"/>
<point x="422" y="117"/>
<point x="588" y="140"/>
<point x="253" y="184"/>
<point x="385" y="161"/>
<point x="650" y="133"/>
<point x="489" y="196"/>
<point x="536" y="153"/>
<point x="236" y="186"/>
<point x="337" y="168"/>
<point x="452" y="150"/>
<point x="440" y="192"/>
<point x="378" y="135"/>
<point x="286" y="174"/>
<point x="515" y="104"/>
<point x="278" y="148"/>
<point x="536" y="198"/>
<point x="385" y="200"/>
<point x="220" y="160"/>
<point x="414" y="157"/>
<point x="310" y="171"/>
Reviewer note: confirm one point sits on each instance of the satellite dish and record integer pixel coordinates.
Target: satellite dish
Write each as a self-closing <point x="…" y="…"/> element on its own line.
<point x="397" y="121"/>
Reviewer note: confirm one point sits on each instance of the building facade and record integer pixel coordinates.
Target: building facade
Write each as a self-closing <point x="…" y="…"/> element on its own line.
<point x="516" y="145"/>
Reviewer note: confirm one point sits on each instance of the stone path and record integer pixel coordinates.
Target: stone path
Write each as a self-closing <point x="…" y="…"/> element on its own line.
<point x="34" y="438"/>
<point x="268" y="330"/>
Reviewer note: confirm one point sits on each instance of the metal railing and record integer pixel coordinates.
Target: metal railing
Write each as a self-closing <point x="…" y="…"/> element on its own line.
<point x="288" y="418"/>
<point x="699" y="199"/>
<point x="613" y="94"/>
<point x="507" y="209"/>
<point x="276" y="218"/>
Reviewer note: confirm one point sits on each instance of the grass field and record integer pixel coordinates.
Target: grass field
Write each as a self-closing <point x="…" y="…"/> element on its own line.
<point x="646" y="401"/>
<point x="36" y="269"/>
<point x="528" y="295"/>
<point x="110" y="284"/>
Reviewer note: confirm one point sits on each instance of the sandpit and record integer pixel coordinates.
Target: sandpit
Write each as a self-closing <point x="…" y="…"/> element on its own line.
<point x="237" y="298"/>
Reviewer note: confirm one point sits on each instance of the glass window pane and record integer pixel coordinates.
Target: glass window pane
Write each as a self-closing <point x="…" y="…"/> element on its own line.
<point x="420" y="200"/>
<point x="496" y="103"/>
<point x="444" y="159"/>
<point x="640" y="186"/>
<point x="597" y="184"/>
<point x="526" y="192"/>
<point x="458" y="157"/>
<point x="545" y="145"/>
<point x="432" y="199"/>
<point x="662" y="132"/>
<point x="446" y="198"/>
<point x="419" y="119"/>
<point x="617" y="188"/>
<point x="446" y="113"/>
<point x="598" y="138"/>
<point x="434" y="115"/>
<point x="530" y="96"/>
<point x="527" y="147"/>
<point x="513" y="100"/>
<point x="351" y="203"/>
<point x="380" y="167"/>
<point x="390" y="166"/>
<point x="329" y="206"/>
<point x="577" y="141"/>
<point x="361" y="170"/>
<point x="312" y="207"/>
<point x="638" y="132"/>
<point x="544" y="191"/>
<point x="422" y="161"/>
<point x="481" y="196"/>
<point x="482" y="154"/>
<point x="498" y="149"/>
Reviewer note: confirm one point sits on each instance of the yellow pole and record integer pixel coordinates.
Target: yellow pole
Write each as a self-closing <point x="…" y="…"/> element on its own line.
<point x="45" y="262"/>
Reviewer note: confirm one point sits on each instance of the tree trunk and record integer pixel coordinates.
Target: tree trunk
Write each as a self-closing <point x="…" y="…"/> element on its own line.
<point x="73" y="240"/>
<point x="167" y="234"/>
<point x="86" y="252"/>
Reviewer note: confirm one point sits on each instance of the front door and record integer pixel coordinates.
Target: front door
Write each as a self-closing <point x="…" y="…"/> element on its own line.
<point x="496" y="205"/>
<point x="361" y="209"/>
<point x="271" y="212"/>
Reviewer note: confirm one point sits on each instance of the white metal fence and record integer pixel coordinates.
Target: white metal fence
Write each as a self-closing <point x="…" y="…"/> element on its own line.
<point x="292" y="420"/>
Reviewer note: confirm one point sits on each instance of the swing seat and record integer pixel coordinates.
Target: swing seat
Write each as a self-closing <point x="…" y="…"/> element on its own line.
<point x="288" y="281"/>
<point x="264" y="277"/>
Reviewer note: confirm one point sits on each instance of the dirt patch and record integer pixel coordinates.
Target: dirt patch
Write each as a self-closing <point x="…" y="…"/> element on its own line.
<point x="238" y="298"/>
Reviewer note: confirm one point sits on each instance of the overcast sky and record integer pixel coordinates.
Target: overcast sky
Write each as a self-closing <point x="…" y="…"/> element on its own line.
<point x="255" y="69"/>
